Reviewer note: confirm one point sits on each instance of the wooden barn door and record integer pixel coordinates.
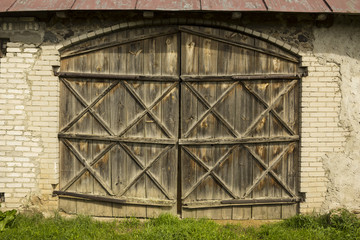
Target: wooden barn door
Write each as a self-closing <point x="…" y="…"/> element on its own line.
<point x="239" y="127"/>
<point x="119" y="125"/>
<point x="194" y="120"/>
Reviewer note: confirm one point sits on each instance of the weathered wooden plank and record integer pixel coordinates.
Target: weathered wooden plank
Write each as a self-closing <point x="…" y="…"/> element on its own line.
<point x="164" y="141"/>
<point x="274" y="212"/>
<point x="67" y="65"/>
<point x="82" y="184"/>
<point x="145" y="168"/>
<point x="134" y="39"/>
<point x="121" y="177"/>
<point x="188" y="174"/>
<point x="261" y="179"/>
<point x="85" y="184"/>
<point x="209" y="170"/>
<point x="275" y="189"/>
<point x="88" y="196"/>
<point x="257" y="90"/>
<point x="170" y="64"/>
<point x="224" y="213"/>
<point x="264" y="113"/>
<point x="138" y="188"/>
<point x="202" y="113"/>
<point x="288" y="211"/>
<point x="237" y="44"/>
<point x="170" y="112"/>
<point x="87" y="108"/>
<point x="191" y="171"/>
<point x="248" y="39"/>
<point x="151" y="131"/>
<point x="274" y="149"/>
<point x="222" y="78"/>
<point x="67" y="171"/>
<point x="269" y="170"/>
<point x="87" y="165"/>
<point x="226" y="108"/>
<point x="208" y="54"/>
<point x="242" y="212"/>
<point x="104" y="165"/>
<point x="226" y="141"/>
<point x="241" y="203"/>
<point x="226" y="63"/>
<point x="188" y="213"/>
<point x="189" y="54"/>
<point x="206" y="121"/>
<point x="146" y="110"/>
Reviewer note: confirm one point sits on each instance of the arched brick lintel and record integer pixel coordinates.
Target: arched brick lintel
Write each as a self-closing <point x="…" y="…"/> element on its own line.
<point x="178" y="21"/>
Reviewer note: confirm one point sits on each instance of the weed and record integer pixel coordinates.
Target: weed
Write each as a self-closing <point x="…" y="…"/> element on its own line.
<point x="6" y="219"/>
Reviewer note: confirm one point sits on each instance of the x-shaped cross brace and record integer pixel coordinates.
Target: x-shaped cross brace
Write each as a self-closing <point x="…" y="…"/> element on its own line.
<point x="210" y="171"/>
<point x="211" y="109"/>
<point x="88" y="166"/>
<point x="269" y="108"/>
<point x="88" y="107"/>
<point x="145" y="170"/>
<point x="147" y="109"/>
<point x="268" y="170"/>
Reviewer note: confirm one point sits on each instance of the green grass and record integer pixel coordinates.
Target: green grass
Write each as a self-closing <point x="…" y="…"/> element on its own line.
<point x="334" y="225"/>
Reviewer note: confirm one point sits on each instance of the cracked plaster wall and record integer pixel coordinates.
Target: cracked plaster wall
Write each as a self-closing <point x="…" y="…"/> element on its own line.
<point x="341" y="44"/>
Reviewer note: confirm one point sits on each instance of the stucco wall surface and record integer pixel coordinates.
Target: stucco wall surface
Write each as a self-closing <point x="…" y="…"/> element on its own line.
<point x="340" y="44"/>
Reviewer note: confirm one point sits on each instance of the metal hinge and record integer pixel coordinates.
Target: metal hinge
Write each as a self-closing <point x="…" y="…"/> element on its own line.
<point x="303" y="72"/>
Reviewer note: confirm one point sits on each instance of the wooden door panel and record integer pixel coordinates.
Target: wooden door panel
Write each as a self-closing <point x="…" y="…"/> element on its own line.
<point x="118" y="133"/>
<point x="135" y="100"/>
<point x="153" y="56"/>
<point x="239" y="138"/>
<point x="208" y="53"/>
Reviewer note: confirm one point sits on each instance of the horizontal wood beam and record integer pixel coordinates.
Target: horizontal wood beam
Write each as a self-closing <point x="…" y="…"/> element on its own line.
<point x="159" y="78"/>
<point x="267" y="76"/>
<point x="267" y="200"/>
<point x="225" y="141"/>
<point x="87" y="197"/>
<point x="194" y="78"/>
<point x="185" y="78"/>
<point x="124" y="201"/>
<point x="117" y="139"/>
<point x="241" y="202"/>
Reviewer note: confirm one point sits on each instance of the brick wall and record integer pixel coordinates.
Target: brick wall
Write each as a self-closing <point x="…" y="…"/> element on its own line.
<point x="29" y="98"/>
<point x="321" y="132"/>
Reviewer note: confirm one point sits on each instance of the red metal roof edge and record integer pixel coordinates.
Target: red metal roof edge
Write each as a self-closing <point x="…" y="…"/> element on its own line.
<point x="301" y="6"/>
